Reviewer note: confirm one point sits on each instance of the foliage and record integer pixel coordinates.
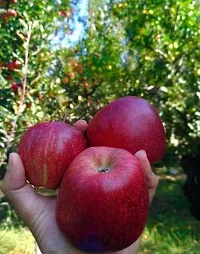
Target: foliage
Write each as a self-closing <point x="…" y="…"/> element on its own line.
<point x="42" y="95"/>
<point x="148" y="49"/>
<point x="95" y="4"/>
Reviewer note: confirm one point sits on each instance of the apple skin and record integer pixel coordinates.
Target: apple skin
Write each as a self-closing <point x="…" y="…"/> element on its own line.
<point x="103" y="211"/>
<point x="130" y="123"/>
<point x="47" y="149"/>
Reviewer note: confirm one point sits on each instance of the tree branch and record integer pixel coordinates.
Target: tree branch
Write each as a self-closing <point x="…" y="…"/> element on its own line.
<point x="22" y="105"/>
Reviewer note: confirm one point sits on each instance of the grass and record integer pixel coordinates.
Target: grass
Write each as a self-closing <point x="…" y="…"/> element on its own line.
<point x="170" y="227"/>
<point x="16" y="241"/>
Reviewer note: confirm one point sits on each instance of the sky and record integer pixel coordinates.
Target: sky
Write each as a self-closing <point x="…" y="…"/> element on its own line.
<point x="78" y="26"/>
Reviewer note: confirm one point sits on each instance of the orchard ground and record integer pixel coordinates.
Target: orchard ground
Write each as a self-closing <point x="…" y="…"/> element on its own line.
<point x="170" y="227"/>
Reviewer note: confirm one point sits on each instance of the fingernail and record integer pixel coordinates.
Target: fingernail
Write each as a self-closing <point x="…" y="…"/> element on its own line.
<point x="141" y="152"/>
<point x="10" y="161"/>
<point x="145" y="154"/>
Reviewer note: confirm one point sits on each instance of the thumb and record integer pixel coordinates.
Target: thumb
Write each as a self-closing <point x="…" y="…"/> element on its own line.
<point x="15" y="176"/>
<point x="21" y="194"/>
<point x="81" y="125"/>
<point x="151" y="178"/>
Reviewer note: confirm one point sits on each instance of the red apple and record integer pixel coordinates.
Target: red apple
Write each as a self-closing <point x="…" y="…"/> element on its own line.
<point x="71" y="75"/>
<point x="13" y="1"/>
<point x="15" y="87"/>
<point x="17" y="64"/>
<point x="4" y="16"/>
<point x="64" y="14"/>
<point x="103" y="202"/>
<point x="11" y="66"/>
<point x="14" y="65"/>
<point x="130" y="123"/>
<point x="12" y="13"/>
<point x="47" y="149"/>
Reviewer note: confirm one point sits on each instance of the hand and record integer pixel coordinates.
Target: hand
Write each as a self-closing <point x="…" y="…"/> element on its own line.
<point x="38" y="212"/>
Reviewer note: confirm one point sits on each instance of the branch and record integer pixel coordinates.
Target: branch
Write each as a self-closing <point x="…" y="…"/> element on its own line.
<point x="35" y="80"/>
<point x="22" y="105"/>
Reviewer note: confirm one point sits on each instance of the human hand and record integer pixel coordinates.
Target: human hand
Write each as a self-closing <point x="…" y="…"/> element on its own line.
<point x="38" y="212"/>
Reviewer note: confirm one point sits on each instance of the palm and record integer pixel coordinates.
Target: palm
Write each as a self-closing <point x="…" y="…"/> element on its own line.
<point x="44" y="227"/>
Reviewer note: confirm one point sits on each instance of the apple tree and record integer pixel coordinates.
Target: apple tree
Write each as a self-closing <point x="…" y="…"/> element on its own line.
<point x="127" y="48"/>
<point x="148" y="49"/>
<point x="28" y="92"/>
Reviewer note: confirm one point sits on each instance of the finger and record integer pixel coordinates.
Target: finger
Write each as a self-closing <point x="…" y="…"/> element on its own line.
<point x="151" y="178"/>
<point x="15" y="176"/>
<point x="21" y="194"/>
<point x="81" y="125"/>
<point x="142" y="156"/>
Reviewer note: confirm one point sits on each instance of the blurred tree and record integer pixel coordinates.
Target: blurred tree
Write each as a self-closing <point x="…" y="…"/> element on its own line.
<point x="40" y="99"/>
<point x="148" y="49"/>
<point x="95" y="4"/>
